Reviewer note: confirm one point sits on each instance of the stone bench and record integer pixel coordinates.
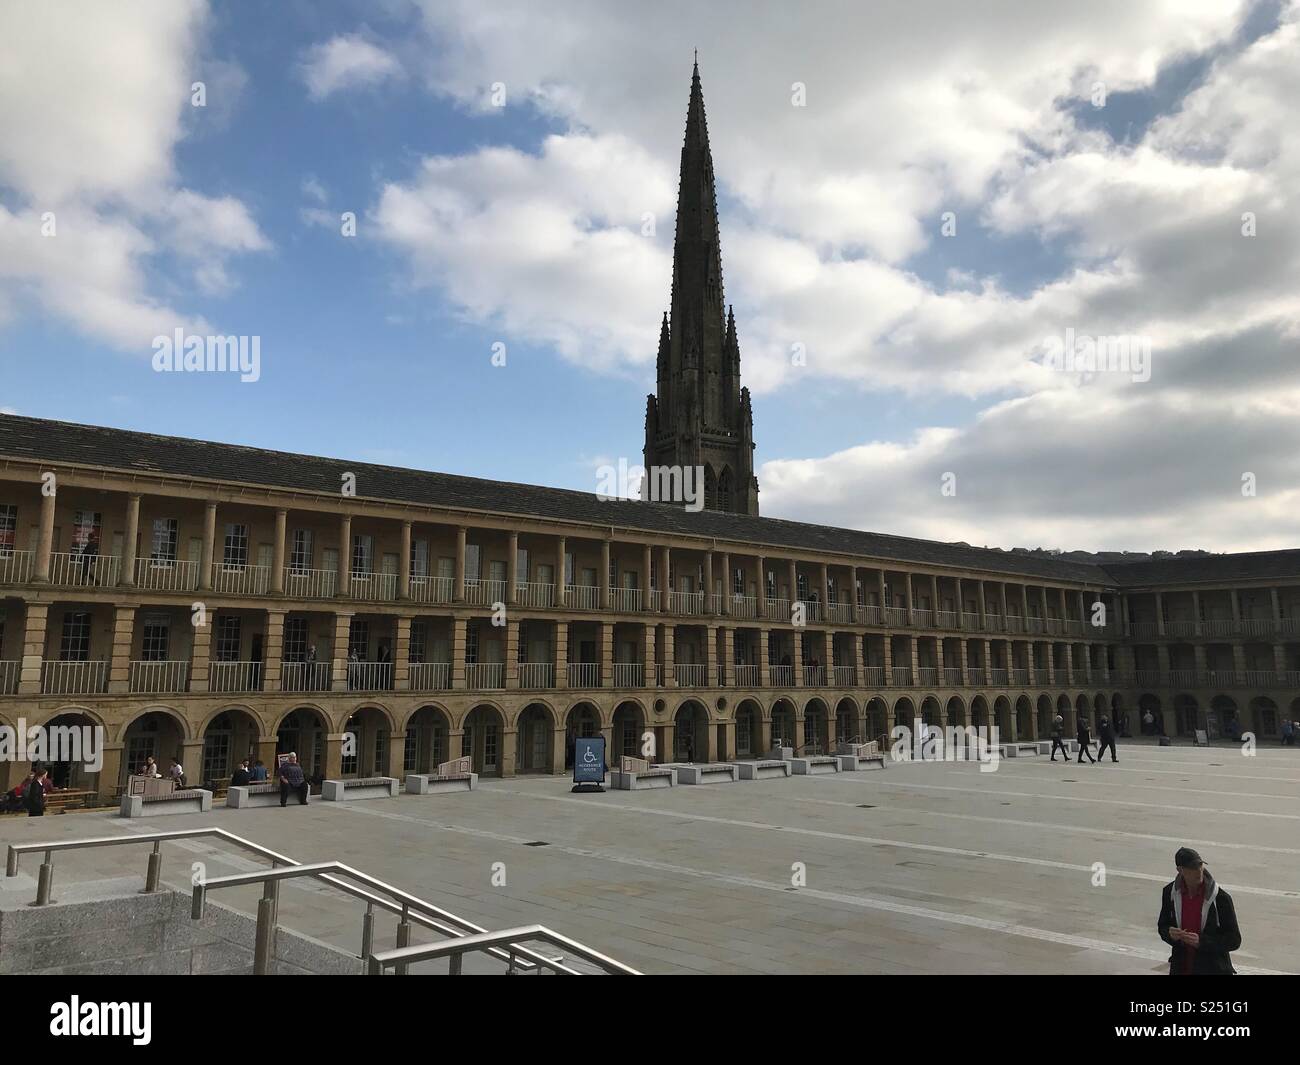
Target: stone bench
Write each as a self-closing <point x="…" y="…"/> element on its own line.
<point x="1045" y="746"/>
<point x="780" y="753"/>
<point x="433" y="783"/>
<point x="657" y="776"/>
<point x="851" y="763"/>
<point x="359" y="788"/>
<point x="263" y="793"/>
<point x="1016" y="750"/>
<point x="763" y="768"/>
<point x="814" y="764"/>
<point x="707" y="773"/>
<point x="186" y="801"/>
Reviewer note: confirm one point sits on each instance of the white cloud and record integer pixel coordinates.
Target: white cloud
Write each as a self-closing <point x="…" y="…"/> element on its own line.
<point x="345" y="62"/>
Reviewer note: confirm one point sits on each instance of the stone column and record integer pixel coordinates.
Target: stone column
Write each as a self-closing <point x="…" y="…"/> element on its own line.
<point x="711" y="656"/>
<point x="607" y="654"/>
<point x="855" y="615"/>
<point x="880" y="590"/>
<point x="273" y="651"/>
<point x="796" y="657"/>
<point x="345" y="558"/>
<point x="792" y="575"/>
<point x="191" y="756"/>
<point x="729" y="656"/>
<point x="647" y="602"/>
<point x="512" y="571"/>
<point x="33" y="655"/>
<point x="404" y="563"/>
<point x="402" y="653"/>
<point x="201" y="656"/>
<point x="512" y="652"/>
<point x="130" y="541"/>
<point x="119" y="669"/>
<point x="824" y="589"/>
<point x="208" y="552"/>
<point x="110" y="772"/>
<point x="859" y="677"/>
<point x="1160" y="614"/>
<point x="760" y="589"/>
<point x="458" y="588"/>
<point x="277" y="551"/>
<point x="561" y="572"/>
<point x="603" y="583"/>
<point x="665" y="578"/>
<point x="509" y="751"/>
<point x="561" y="654"/>
<point x="558" y="743"/>
<point x="935" y="605"/>
<point x="45" y="536"/>
<point x="727" y="592"/>
<point x="1162" y="663"/>
<point x="710" y="607"/>
<point x="1196" y="613"/>
<point x="1069" y="665"/>
<point x="963" y="666"/>
<point x="333" y="755"/>
<point x="648" y="654"/>
<point x="458" y="631"/>
<point x="339" y="655"/>
<point x="670" y="637"/>
<point x="397" y="755"/>
<point x="1277" y="608"/>
<point x="960" y="604"/>
<point x="266" y="751"/>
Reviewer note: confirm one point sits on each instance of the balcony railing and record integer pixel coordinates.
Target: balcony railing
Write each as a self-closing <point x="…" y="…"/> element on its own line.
<point x="1256" y="626"/>
<point x="375" y="587"/>
<point x="629" y="674"/>
<point x="426" y="589"/>
<point x="1180" y="628"/>
<point x="777" y="609"/>
<point x="584" y="674"/>
<point x="537" y="674"/>
<point x="896" y="617"/>
<point x="999" y="677"/>
<point x="158" y="678"/>
<point x="691" y="674"/>
<point x="70" y="569"/>
<point x="1183" y="678"/>
<point x="1073" y="627"/>
<point x="310" y="583"/>
<point x="922" y="617"/>
<point x="900" y="677"/>
<point x="9" y="673"/>
<point x="1020" y="676"/>
<point x="840" y="613"/>
<point x="1013" y="623"/>
<point x="812" y="609"/>
<point x="1035" y="624"/>
<point x="485" y="593"/>
<point x="870" y="615"/>
<point x="166" y="575"/>
<point x="584" y="597"/>
<point x="240" y="580"/>
<point x="975" y="676"/>
<point x="1147" y="677"/>
<point x="952" y="675"/>
<point x="1143" y="628"/>
<point x="234" y="676"/>
<point x="306" y="676"/>
<point x="844" y="677"/>
<point x="535" y="594"/>
<point x="15" y="567"/>
<point x="781" y="676"/>
<point x="945" y="619"/>
<point x="873" y="676"/>
<point x="686" y="602"/>
<point x="927" y="675"/>
<point x="970" y="621"/>
<point x="480" y="675"/>
<point x="429" y="676"/>
<point x="1217" y="626"/>
<point x="660" y="673"/>
<point x="747" y="676"/>
<point x="814" y="676"/>
<point x="370" y="676"/>
<point x="625" y="600"/>
<point x="744" y="606"/>
<point x="74" y="678"/>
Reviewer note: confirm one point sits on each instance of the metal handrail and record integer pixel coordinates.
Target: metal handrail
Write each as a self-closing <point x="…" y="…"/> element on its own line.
<point x="455" y="949"/>
<point x="417" y="910"/>
<point x="268" y="905"/>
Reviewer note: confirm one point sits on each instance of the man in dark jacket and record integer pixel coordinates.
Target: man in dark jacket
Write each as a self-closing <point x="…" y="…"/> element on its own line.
<point x="1058" y="738"/>
<point x="1085" y="739"/>
<point x="1106" y="738"/>
<point x="292" y="780"/>
<point x="34" y="795"/>
<point x="1197" y="920"/>
<point x="240" y="777"/>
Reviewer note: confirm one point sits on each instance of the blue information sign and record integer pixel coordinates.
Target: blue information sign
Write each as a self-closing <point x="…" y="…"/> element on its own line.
<point x="589" y="760"/>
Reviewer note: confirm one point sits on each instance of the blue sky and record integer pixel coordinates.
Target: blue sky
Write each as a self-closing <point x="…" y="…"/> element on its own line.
<point x="521" y="224"/>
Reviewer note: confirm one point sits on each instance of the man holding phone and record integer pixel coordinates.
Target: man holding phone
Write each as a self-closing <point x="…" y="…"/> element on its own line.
<point x="1197" y="920"/>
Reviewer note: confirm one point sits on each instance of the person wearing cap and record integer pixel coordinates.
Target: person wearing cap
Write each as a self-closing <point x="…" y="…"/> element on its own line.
<point x="1197" y="920"/>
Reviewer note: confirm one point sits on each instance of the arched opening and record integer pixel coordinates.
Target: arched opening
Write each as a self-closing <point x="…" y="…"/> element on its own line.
<point x="629" y="731"/>
<point x="846" y="722"/>
<point x="154" y="734"/>
<point x="1024" y="718"/>
<point x="724" y="489"/>
<point x="1002" y="711"/>
<point x="815" y="737"/>
<point x="582" y="722"/>
<point x="365" y="747"/>
<point x="710" y="488"/>
<point x="956" y="712"/>
<point x="481" y="742"/>
<point x="1046" y="711"/>
<point x="427" y="733"/>
<point x="1065" y="709"/>
<point x="1149" y="707"/>
<point x="783" y="729"/>
<point x="905" y="714"/>
<point x="1264" y="717"/>
<point x="1187" y="714"/>
<point x="690" y="732"/>
<point x="1119" y="715"/>
<point x="930" y="713"/>
<point x="535" y="735"/>
<point x="749" y="730"/>
<point x="877" y="719"/>
<point x="303" y="731"/>
<point x="71" y="773"/>
<point x="230" y="738"/>
<point x="979" y="714"/>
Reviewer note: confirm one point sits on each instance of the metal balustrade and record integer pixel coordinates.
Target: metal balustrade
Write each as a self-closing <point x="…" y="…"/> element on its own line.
<point x="625" y="600"/>
<point x="234" y="676"/>
<point x="1180" y="628"/>
<point x="686" y="602"/>
<point x="15" y="567"/>
<point x="870" y="615"/>
<point x="535" y="594"/>
<point x="660" y="672"/>
<point x="1013" y="623"/>
<point x="537" y="674"/>
<point x="583" y="597"/>
<point x="952" y="675"/>
<point x="812" y="609"/>
<point x="781" y="676"/>
<point x="1147" y="677"/>
<point x="1182" y="677"/>
<point x="159" y="678"/>
<point x="584" y="674"/>
<point x="1033" y="624"/>
<point x="427" y="589"/>
<point x="1256" y="626"/>
<point x="480" y="675"/>
<point x="690" y="674"/>
<point x="922" y="618"/>
<point x="629" y="674"/>
<point x="166" y="575"/>
<point x="370" y="676"/>
<point x="310" y="583"/>
<point x="744" y="606"/>
<point x="1217" y="627"/>
<point x="945" y="619"/>
<point x="814" y="676"/>
<point x="74" y="678"/>
<point x="896" y="617"/>
<point x="485" y="593"/>
<point x="429" y="676"/>
<point x="240" y="580"/>
<point x="373" y="587"/>
<point x="454" y="950"/>
<point x="72" y="569"/>
<point x="873" y="676"/>
<point x="900" y="676"/>
<point x="777" y="610"/>
<point x="927" y="676"/>
<point x="1143" y="628"/>
<point x="10" y="671"/>
<point x="747" y="676"/>
<point x="306" y="676"/>
<point x="1020" y="676"/>
<point x="975" y="676"/>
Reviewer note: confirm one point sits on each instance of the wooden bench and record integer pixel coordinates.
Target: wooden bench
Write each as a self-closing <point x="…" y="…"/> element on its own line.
<point x="763" y="768"/>
<point x="263" y="793"/>
<point x="359" y="788"/>
<point x="181" y="801"/>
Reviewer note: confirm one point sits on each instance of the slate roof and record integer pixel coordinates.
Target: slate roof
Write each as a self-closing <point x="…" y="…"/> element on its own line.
<point x="68" y="443"/>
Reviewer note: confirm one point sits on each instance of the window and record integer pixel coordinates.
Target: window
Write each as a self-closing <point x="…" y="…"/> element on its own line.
<point x="801" y="588"/>
<point x="447" y="568"/>
<point x="419" y="559"/>
<point x="139" y="748"/>
<point x="568" y="569"/>
<point x="300" y="552"/>
<point x="381" y="752"/>
<point x="521" y="565"/>
<point x="473" y="562"/>
<point x="654" y="574"/>
<point x="295" y="640"/>
<point x="351" y="744"/>
<point x="419" y="640"/>
<point x="216" y="753"/>
<point x="8" y="528"/>
<point x="613" y="573"/>
<point x="359" y="639"/>
<point x="832" y="595"/>
<point x="588" y="578"/>
<point x="229" y="640"/>
<point x="471" y="644"/>
<point x="738" y="581"/>
<point x="770" y="581"/>
<point x="521" y="652"/>
<point x="86" y="528"/>
<point x="235" y="555"/>
<point x="363" y="554"/>
<point x="164" y="540"/>
<point x="409" y="751"/>
<point x="155" y="638"/>
<point x="75" y="643"/>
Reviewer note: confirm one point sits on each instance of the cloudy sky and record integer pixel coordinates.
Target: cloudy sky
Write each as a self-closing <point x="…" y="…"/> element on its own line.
<point x="916" y="199"/>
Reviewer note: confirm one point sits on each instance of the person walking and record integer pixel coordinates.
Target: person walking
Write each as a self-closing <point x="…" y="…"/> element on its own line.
<point x="1058" y="739"/>
<point x="1197" y="920"/>
<point x="1106" y="738"/>
<point x="1085" y="739"/>
<point x="34" y="794"/>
